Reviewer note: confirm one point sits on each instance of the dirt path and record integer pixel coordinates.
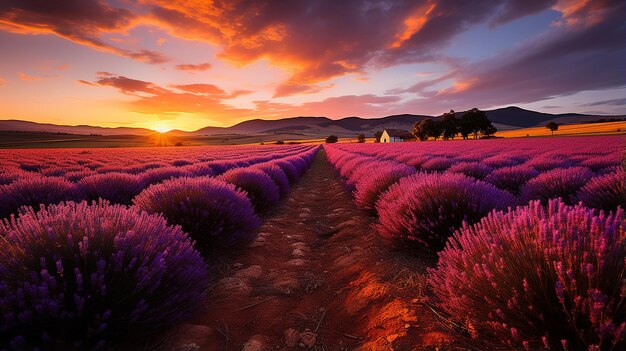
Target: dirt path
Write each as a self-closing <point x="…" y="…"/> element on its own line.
<point x="316" y="278"/>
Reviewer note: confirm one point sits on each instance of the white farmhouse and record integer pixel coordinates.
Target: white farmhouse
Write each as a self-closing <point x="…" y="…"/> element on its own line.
<point x="395" y="135"/>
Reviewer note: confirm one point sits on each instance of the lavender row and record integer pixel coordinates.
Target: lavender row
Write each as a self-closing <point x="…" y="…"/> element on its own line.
<point x="81" y="275"/>
<point x="545" y="275"/>
<point x="28" y="188"/>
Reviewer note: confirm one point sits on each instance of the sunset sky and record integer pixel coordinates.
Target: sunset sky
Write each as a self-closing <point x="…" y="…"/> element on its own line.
<point x="166" y="64"/>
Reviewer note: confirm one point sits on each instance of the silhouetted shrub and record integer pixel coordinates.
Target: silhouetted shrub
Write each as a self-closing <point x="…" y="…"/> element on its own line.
<point x="33" y="191"/>
<point x="212" y="211"/>
<point x="558" y="183"/>
<point x="476" y="170"/>
<point x="119" y="188"/>
<point x="259" y="187"/>
<point x="332" y="139"/>
<point x="537" y="278"/>
<point x="511" y="179"/>
<point x="605" y="192"/>
<point x="423" y="210"/>
<point x="83" y="277"/>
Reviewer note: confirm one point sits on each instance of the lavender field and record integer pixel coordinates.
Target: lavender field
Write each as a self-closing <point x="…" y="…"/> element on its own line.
<point x="522" y="242"/>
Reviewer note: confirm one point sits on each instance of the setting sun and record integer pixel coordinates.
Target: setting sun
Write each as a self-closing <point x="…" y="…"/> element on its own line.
<point x="161" y="128"/>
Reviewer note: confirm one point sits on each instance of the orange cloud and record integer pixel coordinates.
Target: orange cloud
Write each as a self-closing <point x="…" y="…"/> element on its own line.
<point x="208" y="89"/>
<point x="194" y="67"/>
<point x="2" y="81"/>
<point x="585" y="13"/>
<point x="200" y="99"/>
<point x="25" y="77"/>
<point x="414" y="24"/>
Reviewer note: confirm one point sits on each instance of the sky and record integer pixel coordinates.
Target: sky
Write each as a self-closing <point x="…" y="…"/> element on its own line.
<point x="173" y="64"/>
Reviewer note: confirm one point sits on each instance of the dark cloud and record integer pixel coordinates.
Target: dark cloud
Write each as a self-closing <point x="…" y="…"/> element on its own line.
<point x="514" y="9"/>
<point x="81" y="21"/>
<point x="128" y="85"/>
<point x="321" y="39"/>
<point x="613" y="102"/>
<point x="317" y="40"/>
<point x="583" y="55"/>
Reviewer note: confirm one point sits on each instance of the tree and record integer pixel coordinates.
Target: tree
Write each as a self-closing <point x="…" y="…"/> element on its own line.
<point x="552" y="126"/>
<point x="473" y="122"/>
<point x="465" y="126"/>
<point x="448" y="124"/>
<point x="332" y="139"/>
<point x="430" y="128"/>
<point x="418" y="132"/>
<point x="377" y="135"/>
<point x="489" y="130"/>
<point x="360" y="138"/>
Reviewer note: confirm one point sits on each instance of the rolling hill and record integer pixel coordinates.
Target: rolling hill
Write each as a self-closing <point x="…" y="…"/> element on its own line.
<point x="504" y="118"/>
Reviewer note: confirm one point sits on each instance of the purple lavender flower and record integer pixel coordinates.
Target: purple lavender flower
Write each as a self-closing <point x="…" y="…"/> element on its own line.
<point x="605" y="192"/>
<point x="558" y="183"/>
<point x="259" y="187"/>
<point x="33" y="190"/>
<point x="212" y="211"/>
<point x="423" y="210"/>
<point x="511" y="179"/>
<point x="553" y="273"/>
<point x="278" y="176"/>
<point x="57" y="294"/>
<point x="476" y="170"/>
<point x="119" y="188"/>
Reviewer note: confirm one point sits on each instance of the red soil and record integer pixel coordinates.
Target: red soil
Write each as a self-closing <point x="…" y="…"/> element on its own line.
<point x="317" y="266"/>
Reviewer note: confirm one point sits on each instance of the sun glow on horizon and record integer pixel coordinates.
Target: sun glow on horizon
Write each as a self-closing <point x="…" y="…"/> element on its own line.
<point x="161" y="128"/>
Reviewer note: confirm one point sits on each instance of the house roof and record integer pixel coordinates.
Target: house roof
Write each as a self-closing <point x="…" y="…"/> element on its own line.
<point x="399" y="133"/>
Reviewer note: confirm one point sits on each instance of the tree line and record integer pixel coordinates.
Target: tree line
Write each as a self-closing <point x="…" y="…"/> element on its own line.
<point x="471" y="123"/>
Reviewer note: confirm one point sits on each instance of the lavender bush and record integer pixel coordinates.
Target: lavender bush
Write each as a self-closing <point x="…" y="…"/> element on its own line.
<point x="437" y="164"/>
<point x="511" y="179"/>
<point x="537" y="278"/>
<point x="119" y="188"/>
<point x="369" y="187"/>
<point x="158" y="175"/>
<point x="605" y="192"/>
<point x="423" y="210"/>
<point x="33" y="191"/>
<point x="558" y="183"/>
<point x="83" y="277"/>
<point x="277" y="175"/>
<point x="213" y="212"/>
<point x="259" y="187"/>
<point x="291" y="171"/>
<point x="476" y="170"/>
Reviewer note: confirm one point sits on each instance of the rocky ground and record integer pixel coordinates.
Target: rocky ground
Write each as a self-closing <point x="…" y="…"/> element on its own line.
<point x="317" y="278"/>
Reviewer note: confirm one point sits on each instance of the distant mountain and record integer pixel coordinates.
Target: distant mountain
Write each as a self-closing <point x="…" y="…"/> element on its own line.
<point x="26" y="126"/>
<point x="518" y="117"/>
<point x="504" y="118"/>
